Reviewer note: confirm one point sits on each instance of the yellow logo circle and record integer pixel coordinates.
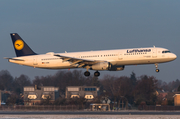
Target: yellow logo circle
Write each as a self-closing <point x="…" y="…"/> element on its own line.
<point x="19" y="44"/>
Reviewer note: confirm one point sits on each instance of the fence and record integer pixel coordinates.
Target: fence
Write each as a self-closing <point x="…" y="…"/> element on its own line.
<point x="158" y="108"/>
<point x="43" y="107"/>
<point x="81" y="107"/>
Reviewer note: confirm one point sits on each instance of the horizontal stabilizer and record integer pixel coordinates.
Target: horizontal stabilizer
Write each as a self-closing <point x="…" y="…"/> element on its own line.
<point x="13" y="59"/>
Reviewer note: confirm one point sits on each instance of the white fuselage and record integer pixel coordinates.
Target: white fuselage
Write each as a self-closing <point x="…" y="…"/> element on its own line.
<point x="119" y="57"/>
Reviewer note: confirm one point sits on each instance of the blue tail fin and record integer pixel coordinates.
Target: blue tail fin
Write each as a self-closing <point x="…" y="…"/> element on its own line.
<point x="20" y="47"/>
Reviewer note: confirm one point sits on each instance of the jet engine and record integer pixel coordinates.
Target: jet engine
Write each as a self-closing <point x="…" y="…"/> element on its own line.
<point x="107" y="66"/>
<point x="117" y="68"/>
<point x="101" y="66"/>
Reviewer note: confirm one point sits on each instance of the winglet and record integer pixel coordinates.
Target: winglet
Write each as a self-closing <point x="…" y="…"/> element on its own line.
<point x="20" y="47"/>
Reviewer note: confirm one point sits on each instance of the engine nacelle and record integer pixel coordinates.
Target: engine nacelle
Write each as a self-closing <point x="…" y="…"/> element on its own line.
<point x="117" y="68"/>
<point x="101" y="66"/>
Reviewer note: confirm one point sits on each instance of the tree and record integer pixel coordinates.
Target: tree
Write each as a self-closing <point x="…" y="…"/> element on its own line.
<point x="178" y="88"/>
<point x="119" y="89"/>
<point x="145" y="89"/>
<point x="13" y="99"/>
<point x="20" y="82"/>
<point x="37" y="81"/>
<point x="91" y="81"/>
<point x="133" y="78"/>
<point x="6" y="80"/>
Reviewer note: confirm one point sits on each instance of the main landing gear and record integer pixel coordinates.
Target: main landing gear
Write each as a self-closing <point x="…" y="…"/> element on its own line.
<point x="96" y="74"/>
<point x="157" y="70"/>
<point x="87" y="73"/>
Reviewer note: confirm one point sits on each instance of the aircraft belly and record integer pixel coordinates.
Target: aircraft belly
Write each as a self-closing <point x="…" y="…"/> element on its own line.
<point x="142" y="61"/>
<point x="55" y="65"/>
<point x="58" y="67"/>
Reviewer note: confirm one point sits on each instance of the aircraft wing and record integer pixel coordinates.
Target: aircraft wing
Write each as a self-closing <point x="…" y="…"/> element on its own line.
<point x="79" y="61"/>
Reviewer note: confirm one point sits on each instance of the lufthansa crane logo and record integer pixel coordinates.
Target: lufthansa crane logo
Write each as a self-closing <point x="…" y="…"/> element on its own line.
<point x="19" y="44"/>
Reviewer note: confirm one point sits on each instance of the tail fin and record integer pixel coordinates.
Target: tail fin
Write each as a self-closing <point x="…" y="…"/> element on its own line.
<point x="20" y="47"/>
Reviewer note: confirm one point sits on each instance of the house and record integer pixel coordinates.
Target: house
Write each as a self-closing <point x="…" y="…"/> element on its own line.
<point x="34" y="95"/>
<point x="4" y="96"/>
<point x="176" y="100"/>
<point x="87" y="92"/>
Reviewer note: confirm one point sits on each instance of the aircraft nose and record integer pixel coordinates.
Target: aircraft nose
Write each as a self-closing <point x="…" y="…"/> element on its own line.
<point x="173" y="56"/>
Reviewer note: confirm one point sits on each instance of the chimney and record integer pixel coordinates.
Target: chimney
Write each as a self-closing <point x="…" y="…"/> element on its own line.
<point x="35" y="87"/>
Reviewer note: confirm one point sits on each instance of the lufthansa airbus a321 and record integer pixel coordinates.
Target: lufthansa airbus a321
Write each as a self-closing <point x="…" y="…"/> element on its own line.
<point x="111" y="60"/>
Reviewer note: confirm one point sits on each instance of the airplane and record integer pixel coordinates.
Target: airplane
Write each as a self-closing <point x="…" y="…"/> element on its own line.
<point x="111" y="60"/>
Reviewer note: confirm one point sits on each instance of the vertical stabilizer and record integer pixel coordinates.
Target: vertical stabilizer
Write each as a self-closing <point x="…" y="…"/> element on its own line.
<point x="20" y="47"/>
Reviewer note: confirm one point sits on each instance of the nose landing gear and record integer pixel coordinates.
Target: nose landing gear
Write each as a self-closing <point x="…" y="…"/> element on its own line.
<point x="157" y="70"/>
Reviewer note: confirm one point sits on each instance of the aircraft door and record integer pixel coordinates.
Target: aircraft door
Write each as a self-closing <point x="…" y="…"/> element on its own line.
<point x="154" y="52"/>
<point x="120" y="55"/>
<point x="35" y="61"/>
<point x="78" y="56"/>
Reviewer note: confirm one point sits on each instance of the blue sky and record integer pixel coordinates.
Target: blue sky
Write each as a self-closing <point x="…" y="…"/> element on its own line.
<point x="84" y="25"/>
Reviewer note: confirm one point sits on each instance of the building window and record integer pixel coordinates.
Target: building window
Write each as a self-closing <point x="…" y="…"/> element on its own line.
<point x="89" y="89"/>
<point x="29" y="89"/>
<point x="49" y="89"/>
<point x="73" y="89"/>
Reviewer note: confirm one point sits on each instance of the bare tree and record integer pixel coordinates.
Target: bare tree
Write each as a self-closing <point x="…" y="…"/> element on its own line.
<point x="145" y="89"/>
<point x="20" y="82"/>
<point x="6" y="80"/>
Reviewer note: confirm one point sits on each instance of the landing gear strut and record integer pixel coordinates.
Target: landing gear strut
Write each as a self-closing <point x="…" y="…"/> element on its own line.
<point x="96" y="74"/>
<point x="87" y="73"/>
<point x="157" y="70"/>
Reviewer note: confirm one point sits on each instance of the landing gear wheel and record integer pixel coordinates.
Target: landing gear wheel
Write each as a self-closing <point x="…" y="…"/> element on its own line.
<point x="96" y="74"/>
<point x="87" y="73"/>
<point x="157" y="70"/>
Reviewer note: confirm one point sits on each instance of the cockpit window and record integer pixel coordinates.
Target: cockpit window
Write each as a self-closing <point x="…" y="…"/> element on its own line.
<point x="166" y="51"/>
